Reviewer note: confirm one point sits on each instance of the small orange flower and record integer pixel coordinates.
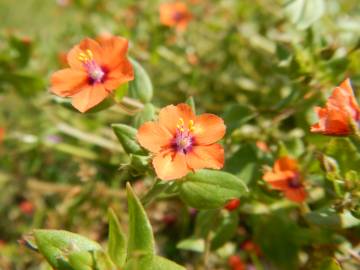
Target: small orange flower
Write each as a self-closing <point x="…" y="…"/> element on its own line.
<point x="285" y="176"/>
<point x="182" y="142"/>
<point x="26" y="207"/>
<point x="251" y="247"/>
<point x="341" y="108"/>
<point x="236" y="263"/>
<point x="96" y="69"/>
<point x="175" y="15"/>
<point x="232" y="204"/>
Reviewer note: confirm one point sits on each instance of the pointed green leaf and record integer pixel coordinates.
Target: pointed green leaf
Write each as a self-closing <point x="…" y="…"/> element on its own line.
<point x="117" y="240"/>
<point x="56" y="245"/>
<point x="141" y="87"/>
<point x="191" y="102"/>
<point x="127" y="138"/>
<point x="161" y="263"/>
<point x="141" y="239"/>
<point x="209" y="189"/>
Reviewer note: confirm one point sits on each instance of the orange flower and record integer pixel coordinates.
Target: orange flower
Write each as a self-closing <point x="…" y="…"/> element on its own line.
<point x="285" y="176"/>
<point x="251" y="247"/>
<point x="182" y="142"/>
<point x="175" y="15"/>
<point x="96" y="69"/>
<point x="232" y="204"/>
<point x="341" y="108"/>
<point x="236" y="263"/>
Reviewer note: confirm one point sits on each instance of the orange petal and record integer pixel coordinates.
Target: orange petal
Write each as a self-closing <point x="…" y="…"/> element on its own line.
<point x="122" y="74"/>
<point x="114" y="50"/>
<point x="170" y="115"/>
<point x="210" y="156"/>
<point x="153" y="137"/>
<point x="170" y="166"/>
<point x="277" y="180"/>
<point x="285" y="164"/>
<point x="208" y="129"/>
<point x="73" y="58"/>
<point x="346" y="85"/>
<point x="67" y="82"/>
<point x="89" y="97"/>
<point x="94" y="47"/>
<point x="296" y="194"/>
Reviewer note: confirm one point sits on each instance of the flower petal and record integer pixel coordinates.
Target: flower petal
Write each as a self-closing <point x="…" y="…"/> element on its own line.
<point x="67" y="82"/>
<point x="114" y="50"/>
<point x="73" y="58"/>
<point x="208" y="129"/>
<point x="296" y="194"/>
<point x="153" y="137"/>
<point x="210" y="156"/>
<point x="89" y="97"/>
<point x="94" y="47"/>
<point x="286" y="164"/>
<point x="277" y="180"/>
<point x="122" y="74"/>
<point x="170" y="115"/>
<point x="170" y="166"/>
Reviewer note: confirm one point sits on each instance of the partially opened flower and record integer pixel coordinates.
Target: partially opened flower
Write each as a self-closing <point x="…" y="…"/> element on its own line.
<point x="182" y="142"/>
<point x="96" y="69"/>
<point x="236" y="263"/>
<point x="286" y="177"/>
<point x="340" y="110"/>
<point x="232" y="204"/>
<point x="175" y="15"/>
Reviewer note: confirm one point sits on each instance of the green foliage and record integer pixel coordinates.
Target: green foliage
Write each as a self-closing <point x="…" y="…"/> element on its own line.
<point x="208" y="189"/>
<point x="117" y="240"/>
<point x="141" y="87"/>
<point x="127" y="138"/>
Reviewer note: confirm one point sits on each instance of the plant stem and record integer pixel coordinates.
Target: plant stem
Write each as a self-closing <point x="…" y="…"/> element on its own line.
<point x="207" y="251"/>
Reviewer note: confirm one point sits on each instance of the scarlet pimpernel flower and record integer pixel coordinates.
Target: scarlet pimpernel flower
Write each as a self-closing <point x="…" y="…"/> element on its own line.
<point x="96" y="69"/>
<point x="183" y="142"/>
<point x="340" y="110"/>
<point x="286" y="177"/>
<point x="175" y="15"/>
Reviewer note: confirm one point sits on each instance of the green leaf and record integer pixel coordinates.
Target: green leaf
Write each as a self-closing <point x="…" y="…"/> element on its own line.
<point x="161" y="263"/>
<point x="81" y="260"/>
<point x="121" y="91"/>
<point x="117" y="240"/>
<point x="192" y="244"/>
<point x="56" y="244"/>
<point x="237" y="115"/>
<point x="329" y="218"/>
<point x="127" y="138"/>
<point x="140" y="262"/>
<point x="141" y="240"/>
<point x="303" y="13"/>
<point x="145" y="115"/>
<point x="329" y="264"/>
<point x="209" y="189"/>
<point x="141" y="87"/>
<point x="226" y="230"/>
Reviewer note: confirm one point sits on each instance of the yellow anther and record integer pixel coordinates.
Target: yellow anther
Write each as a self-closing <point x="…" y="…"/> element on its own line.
<point x="191" y="125"/>
<point x="180" y="125"/>
<point x="85" y="56"/>
<point x="90" y="54"/>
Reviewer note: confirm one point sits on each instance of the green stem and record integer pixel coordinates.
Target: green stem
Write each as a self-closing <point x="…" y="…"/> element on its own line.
<point x="158" y="188"/>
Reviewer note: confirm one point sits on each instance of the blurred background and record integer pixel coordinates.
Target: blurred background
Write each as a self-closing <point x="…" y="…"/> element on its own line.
<point x="260" y="64"/>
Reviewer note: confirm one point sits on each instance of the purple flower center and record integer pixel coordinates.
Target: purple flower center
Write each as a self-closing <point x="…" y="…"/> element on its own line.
<point x="178" y="16"/>
<point x="295" y="181"/>
<point x="95" y="72"/>
<point x="184" y="140"/>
